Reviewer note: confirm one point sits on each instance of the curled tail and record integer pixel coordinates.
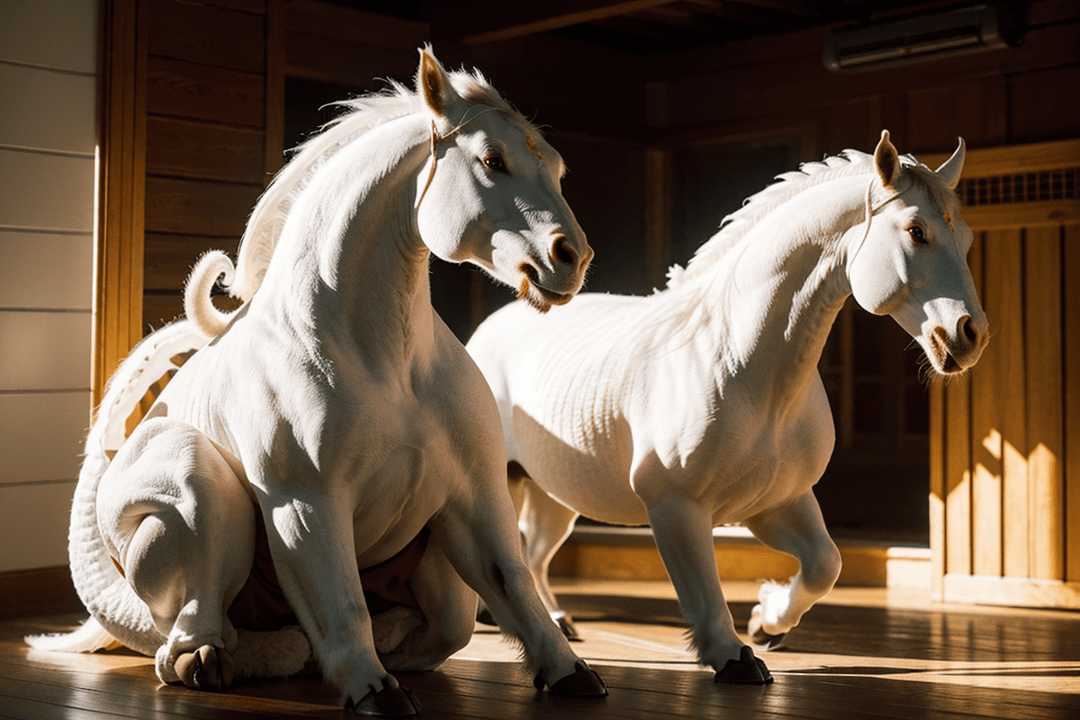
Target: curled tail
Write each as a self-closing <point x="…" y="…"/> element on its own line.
<point x="116" y="611"/>
<point x="198" y="306"/>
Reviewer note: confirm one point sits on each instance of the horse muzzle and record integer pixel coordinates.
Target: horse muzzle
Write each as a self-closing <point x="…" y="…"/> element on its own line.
<point x="956" y="351"/>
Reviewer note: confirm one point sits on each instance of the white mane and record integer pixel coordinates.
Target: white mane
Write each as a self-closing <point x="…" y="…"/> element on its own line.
<point x="736" y="225"/>
<point x="363" y="113"/>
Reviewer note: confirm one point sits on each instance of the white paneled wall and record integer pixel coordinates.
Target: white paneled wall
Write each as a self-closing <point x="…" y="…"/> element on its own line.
<point x="48" y="87"/>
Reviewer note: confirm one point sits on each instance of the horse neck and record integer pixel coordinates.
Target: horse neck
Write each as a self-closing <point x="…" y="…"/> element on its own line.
<point x="351" y="269"/>
<point x="772" y="298"/>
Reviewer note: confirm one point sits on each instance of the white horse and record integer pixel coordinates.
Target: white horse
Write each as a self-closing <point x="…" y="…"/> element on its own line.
<point x="335" y="418"/>
<point x="701" y="405"/>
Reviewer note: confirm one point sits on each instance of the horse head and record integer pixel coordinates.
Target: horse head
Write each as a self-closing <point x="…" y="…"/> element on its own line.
<point x="911" y="262"/>
<point x="493" y="193"/>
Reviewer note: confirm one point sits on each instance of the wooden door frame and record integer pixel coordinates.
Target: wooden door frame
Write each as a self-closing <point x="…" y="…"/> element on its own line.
<point x="121" y="189"/>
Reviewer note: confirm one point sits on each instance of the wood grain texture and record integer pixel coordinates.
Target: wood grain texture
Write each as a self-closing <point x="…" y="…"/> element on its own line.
<point x="859" y="654"/>
<point x="1045" y="442"/>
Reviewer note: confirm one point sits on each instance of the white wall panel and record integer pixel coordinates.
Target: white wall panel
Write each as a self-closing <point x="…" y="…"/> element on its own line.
<point x="41" y="437"/>
<point x="46" y="109"/>
<point x="46" y="191"/>
<point x="44" y="350"/>
<point x="48" y="115"/>
<point x="53" y="33"/>
<point x="34" y="525"/>
<point x="45" y="270"/>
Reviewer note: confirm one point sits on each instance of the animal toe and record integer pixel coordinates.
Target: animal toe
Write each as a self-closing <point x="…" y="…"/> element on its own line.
<point x="206" y="668"/>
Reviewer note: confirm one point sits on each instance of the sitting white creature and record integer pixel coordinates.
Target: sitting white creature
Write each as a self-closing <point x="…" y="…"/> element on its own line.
<point x="334" y="422"/>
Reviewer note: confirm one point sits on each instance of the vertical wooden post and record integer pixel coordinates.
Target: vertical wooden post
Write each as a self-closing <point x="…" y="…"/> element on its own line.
<point x="121" y="187"/>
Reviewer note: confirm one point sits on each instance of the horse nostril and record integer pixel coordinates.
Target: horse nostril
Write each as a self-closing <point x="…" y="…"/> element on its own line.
<point x="562" y="252"/>
<point x="968" y="326"/>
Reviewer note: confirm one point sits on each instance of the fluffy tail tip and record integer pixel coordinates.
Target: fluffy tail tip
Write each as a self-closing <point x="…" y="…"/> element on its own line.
<point x="89" y="637"/>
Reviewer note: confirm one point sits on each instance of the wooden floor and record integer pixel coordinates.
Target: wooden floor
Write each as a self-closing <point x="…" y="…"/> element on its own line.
<point x="862" y="653"/>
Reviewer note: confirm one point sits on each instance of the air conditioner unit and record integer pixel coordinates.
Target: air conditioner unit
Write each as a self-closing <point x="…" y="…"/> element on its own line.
<point x="919" y="38"/>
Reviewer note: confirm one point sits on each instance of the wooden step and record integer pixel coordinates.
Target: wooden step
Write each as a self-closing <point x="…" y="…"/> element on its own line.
<point x="629" y="553"/>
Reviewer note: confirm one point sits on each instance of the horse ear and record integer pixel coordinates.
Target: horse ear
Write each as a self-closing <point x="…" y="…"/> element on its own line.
<point x="434" y="83"/>
<point x="887" y="160"/>
<point x="950" y="169"/>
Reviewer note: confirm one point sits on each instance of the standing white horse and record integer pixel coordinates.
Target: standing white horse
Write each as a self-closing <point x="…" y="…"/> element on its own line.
<point x="335" y="418"/>
<point x="701" y="405"/>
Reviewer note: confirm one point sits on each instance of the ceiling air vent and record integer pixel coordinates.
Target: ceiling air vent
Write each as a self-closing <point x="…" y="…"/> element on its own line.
<point x="918" y="38"/>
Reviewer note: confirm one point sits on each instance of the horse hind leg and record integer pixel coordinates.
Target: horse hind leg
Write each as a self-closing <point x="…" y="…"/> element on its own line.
<point x="422" y="638"/>
<point x="181" y="528"/>
<point x="797" y="529"/>
<point x="545" y="524"/>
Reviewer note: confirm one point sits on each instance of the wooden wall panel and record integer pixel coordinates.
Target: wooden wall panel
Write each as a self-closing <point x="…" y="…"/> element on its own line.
<point x="1021" y="408"/>
<point x="208" y="35"/>
<point x="215" y="98"/>
<point x="1008" y="335"/>
<point x="986" y="439"/>
<point x="1045" y="442"/>
<point x="182" y="89"/>
<point x="182" y="148"/>
<point x="1070" y="267"/>
<point x="198" y="208"/>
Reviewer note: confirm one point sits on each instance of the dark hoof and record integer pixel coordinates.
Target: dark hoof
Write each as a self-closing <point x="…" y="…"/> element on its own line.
<point x="206" y="668"/>
<point x="747" y="670"/>
<point x="764" y="641"/>
<point x="583" y="682"/>
<point x="486" y="618"/>
<point x="388" y="702"/>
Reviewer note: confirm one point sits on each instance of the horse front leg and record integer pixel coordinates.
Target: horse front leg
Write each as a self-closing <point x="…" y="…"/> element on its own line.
<point x="311" y="542"/>
<point x="796" y="529"/>
<point x="682" y="528"/>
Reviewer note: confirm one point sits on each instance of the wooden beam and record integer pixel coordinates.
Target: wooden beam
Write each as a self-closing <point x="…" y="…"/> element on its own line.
<point x="118" y="264"/>
<point x="485" y="22"/>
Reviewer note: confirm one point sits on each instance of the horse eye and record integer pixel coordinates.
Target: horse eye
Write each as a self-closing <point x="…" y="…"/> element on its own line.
<point x="494" y="162"/>
<point x="917" y="235"/>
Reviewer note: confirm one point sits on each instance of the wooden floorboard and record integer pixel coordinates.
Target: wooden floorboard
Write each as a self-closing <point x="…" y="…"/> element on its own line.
<point x="862" y="653"/>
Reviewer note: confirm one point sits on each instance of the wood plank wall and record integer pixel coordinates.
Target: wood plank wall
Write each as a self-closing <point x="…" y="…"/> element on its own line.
<point x="1005" y="472"/>
<point x="215" y="89"/>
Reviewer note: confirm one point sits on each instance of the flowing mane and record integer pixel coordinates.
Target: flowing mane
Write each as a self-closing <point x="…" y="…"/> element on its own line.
<point x="361" y="114"/>
<point x="848" y="163"/>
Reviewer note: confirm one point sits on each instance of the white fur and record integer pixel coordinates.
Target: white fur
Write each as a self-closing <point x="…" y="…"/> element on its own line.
<point x="701" y="404"/>
<point x="335" y="404"/>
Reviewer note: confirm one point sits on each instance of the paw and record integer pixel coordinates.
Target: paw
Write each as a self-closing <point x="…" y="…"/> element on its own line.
<point x="583" y="682"/>
<point x="388" y="702"/>
<point x="761" y="639"/>
<point x="747" y="670"/>
<point x="206" y="668"/>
